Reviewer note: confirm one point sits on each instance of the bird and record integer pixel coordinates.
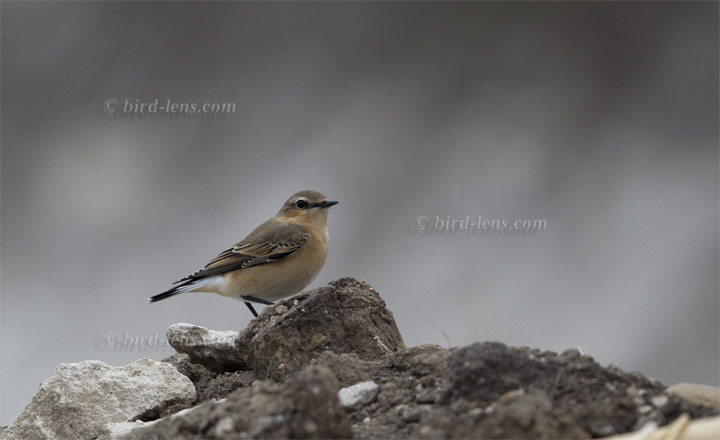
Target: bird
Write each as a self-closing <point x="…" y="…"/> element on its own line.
<point x="277" y="259"/>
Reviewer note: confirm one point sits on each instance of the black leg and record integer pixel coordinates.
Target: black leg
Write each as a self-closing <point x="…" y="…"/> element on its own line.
<point x="258" y="300"/>
<point x="252" y="309"/>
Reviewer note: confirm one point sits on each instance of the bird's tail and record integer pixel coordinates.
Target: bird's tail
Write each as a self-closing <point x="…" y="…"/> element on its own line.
<point x="177" y="290"/>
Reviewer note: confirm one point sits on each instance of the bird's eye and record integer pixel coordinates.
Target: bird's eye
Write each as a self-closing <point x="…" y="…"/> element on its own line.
<point x="301" y="204"/>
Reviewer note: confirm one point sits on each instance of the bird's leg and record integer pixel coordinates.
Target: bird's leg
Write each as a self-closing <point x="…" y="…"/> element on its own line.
<point x="252" y="309"/>
<point x="258" y="300"/>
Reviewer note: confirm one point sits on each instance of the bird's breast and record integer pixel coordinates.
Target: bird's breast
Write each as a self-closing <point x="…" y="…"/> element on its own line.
<point x="277" y="280"/>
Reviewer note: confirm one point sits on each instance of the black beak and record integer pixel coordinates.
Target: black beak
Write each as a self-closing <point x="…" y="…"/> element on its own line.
<point x="326" y="203"/>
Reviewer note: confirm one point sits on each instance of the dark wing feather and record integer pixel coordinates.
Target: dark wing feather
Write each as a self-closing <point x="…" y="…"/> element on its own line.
<point x="272" y="241"/>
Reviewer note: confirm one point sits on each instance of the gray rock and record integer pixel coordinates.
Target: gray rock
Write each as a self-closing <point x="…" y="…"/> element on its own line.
<point x="210" y="384"/>
<point x="200" y="376"/>
<point x="522" y="416"/>
<point x="119" y="429"/>
<point x="358" y="395"/>
<point x="224" y="384"/>
<point x="82" y="400"/>
<point x="211" y="348"/>
<point x="697" y="394"/>
<point x="348" y="369"/>
<point x="401" y="377"/>
<point x="305" y="406"/>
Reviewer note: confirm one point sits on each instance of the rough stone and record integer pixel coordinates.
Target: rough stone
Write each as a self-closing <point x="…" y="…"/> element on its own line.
<point x="408" y="380"/>
<point x="697" y="394"/>
<point x="348" y="368"/>
<point x="358" y="395"/>
<point x="200" y="375"/>
<point x="346" y="316"/>
<point x="224" y="384"/>
<point x="81" y="400"/>
<point x="522" y="416"/>
<point x="210" y="384"/>
<point x="210" y="348"/>
<point x="305" y="406"/>
<point x="119" y="429"/>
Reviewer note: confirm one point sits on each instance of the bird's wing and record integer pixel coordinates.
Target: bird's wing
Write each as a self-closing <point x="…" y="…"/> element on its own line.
<point x="270" y="242"/>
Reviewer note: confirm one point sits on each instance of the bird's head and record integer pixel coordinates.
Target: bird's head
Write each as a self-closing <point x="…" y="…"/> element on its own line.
<point x="306" y="207"/>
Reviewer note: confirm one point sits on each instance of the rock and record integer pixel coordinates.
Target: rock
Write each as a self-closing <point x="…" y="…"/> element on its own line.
<point x="348" y="368"/>
<point x="358" y="395"/>
<point x="697" y="394"/>
<point x="210" y="384"/>
<point x="601" y="401"/>
<point x="422" y="360"/>
<point x="81" y="400"/>
<point x="305" y="406"/>
<point x="682" y="428"/>
<point x="224" y="384"/>
<point x="200" y="375"/>
<point x="483" y="372"/>
<point x="346" y="316"/>
<point x="210" y="348"/>
<point x="408" y="380"/>
<point x="523" y="416"/>
<point x="119" y="429"/>
<point x="659" y="401"/>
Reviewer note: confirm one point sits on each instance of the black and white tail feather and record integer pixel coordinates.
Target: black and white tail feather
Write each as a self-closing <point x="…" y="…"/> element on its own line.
<point x="192" y="284"/>
<point x="176" y="290"/>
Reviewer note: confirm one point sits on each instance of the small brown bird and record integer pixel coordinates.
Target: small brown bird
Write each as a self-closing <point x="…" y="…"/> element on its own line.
<point x="278" y="259"/>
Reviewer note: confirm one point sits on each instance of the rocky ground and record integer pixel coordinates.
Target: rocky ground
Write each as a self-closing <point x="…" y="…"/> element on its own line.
<point x="330" y="363"/>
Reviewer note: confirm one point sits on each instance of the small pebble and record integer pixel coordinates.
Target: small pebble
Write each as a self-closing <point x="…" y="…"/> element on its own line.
<point x="358" y="395"/>
<point x="645" y="409"/>
<point x="659" y="401"/>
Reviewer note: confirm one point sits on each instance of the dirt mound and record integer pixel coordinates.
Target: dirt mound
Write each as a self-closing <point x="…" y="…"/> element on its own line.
<point x="344" y="334"/>
<point x="330" y="363"/>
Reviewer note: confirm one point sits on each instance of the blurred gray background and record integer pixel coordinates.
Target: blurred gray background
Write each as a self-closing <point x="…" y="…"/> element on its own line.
<point x="600" y="118"/>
